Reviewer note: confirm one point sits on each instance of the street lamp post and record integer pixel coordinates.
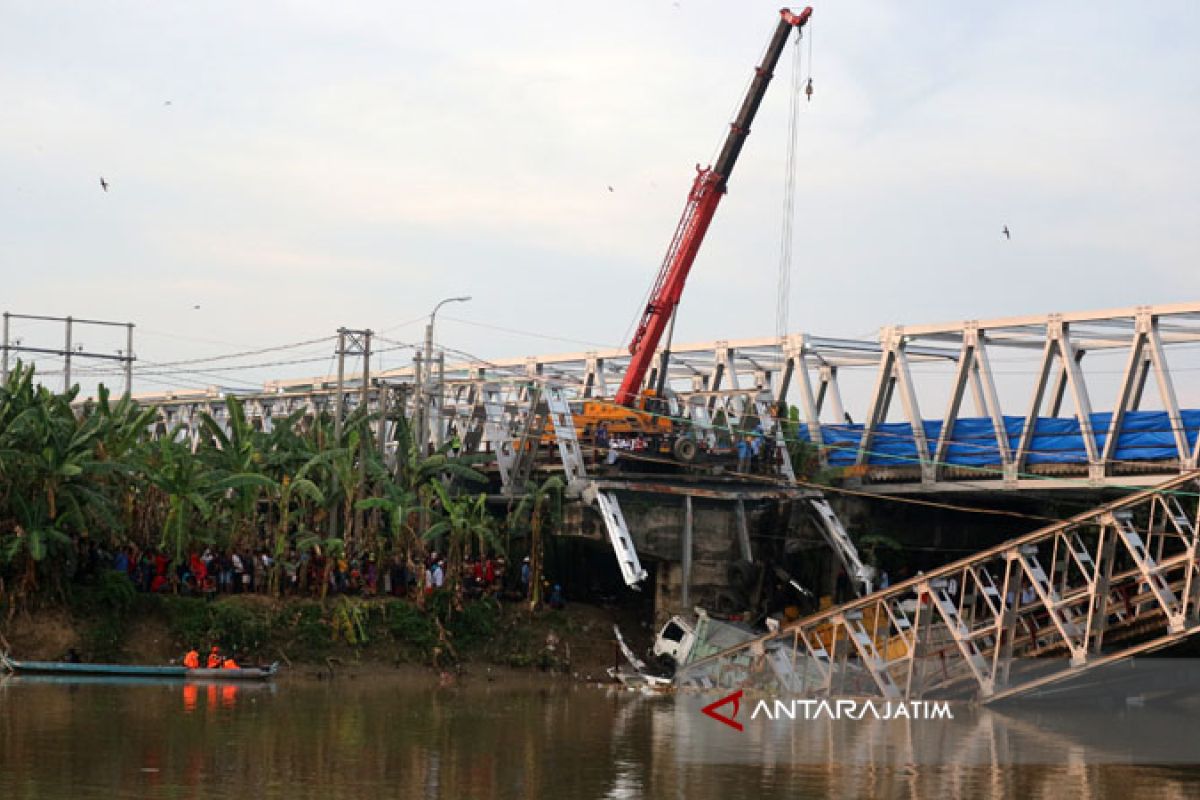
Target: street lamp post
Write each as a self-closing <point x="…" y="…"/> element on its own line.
<point x="429" y="385"/>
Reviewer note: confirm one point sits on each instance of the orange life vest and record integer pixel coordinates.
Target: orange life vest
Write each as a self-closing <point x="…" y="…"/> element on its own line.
<point x="231" y="664"/>
<point x="214" y="661"/>
<point x="192" y="660"/>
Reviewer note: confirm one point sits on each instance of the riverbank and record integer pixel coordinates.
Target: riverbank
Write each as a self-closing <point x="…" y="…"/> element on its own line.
<point x="337" y="636"/>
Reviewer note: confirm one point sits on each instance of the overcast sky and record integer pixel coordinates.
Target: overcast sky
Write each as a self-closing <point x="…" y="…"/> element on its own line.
<point x="291" y="167"/>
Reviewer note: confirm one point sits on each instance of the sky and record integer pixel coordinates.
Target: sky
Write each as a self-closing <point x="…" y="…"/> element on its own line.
<point x="293" y="167"/>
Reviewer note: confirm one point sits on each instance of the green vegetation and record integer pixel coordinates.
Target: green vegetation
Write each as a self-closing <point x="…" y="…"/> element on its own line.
<point x="105" y="475"/>
<point x="112" y="625"/>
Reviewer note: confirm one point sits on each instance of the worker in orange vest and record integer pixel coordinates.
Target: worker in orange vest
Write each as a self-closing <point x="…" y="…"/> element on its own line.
<point x="214" y="658"/>
<point x="230" y="664"/>
<point x="192" y="660"/>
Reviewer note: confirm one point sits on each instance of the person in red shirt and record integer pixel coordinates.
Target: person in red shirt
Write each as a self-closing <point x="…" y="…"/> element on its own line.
<point x="199" y="570"/>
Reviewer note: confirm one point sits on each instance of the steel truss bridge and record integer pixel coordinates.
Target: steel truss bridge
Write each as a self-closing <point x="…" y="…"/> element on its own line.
<point x="1044" y="435"/>
<point x="1101" y="587"/>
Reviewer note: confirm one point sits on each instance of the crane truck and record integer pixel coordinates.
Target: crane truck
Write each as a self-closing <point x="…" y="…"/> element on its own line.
<point x="638" y="413"/>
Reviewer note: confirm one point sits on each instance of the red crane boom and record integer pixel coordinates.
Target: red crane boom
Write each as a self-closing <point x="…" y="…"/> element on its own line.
<point x="706" y="193"/>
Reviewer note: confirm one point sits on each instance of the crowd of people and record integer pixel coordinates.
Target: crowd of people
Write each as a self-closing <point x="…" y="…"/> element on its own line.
<point x="208" y="572"/>
<point x="215" y="660"/>
<point x="213" y="571"/>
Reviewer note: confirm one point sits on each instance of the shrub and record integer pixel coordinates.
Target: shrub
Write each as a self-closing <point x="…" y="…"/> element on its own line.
<point x="237" y="627"/>
<point x="112" y="592"/>
<point x="197" y="623"/>
<point x="475" y="623"/>
<point x="410" y="627"/>
<point x="187" y="619"/>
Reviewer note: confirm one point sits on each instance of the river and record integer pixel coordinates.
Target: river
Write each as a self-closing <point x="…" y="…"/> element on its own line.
<point x="521" y="739"/>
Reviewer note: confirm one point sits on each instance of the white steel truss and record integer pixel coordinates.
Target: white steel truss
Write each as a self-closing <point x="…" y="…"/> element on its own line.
<point x="1103" y="586"/>
<point x="723" y="387"/>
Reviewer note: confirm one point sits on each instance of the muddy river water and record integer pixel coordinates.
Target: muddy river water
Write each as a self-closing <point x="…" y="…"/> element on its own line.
<point x="389" y="738"/>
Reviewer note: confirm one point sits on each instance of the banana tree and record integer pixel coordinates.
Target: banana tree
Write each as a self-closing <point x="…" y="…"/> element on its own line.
<point x="235" y="449"/>
<point x="191" y="488"/>
<point x="465" y="520"/>
<point x="541" y="506"/>
<point x="30" y="540"/>
<point x="298" y="487"/>
<point x="399" y="508"/>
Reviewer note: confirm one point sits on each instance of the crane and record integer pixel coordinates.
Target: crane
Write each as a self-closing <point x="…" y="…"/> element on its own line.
<point x="706" y="192"/>
<point x="632" y="414"/>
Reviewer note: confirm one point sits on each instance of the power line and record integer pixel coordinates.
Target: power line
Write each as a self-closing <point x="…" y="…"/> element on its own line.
<point x="402" y="324"/>
<point x="244" y="353"/>
<point x="531" y="334"/>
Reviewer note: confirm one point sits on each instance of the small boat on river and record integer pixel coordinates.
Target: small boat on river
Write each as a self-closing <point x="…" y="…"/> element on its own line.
<point x="66" y="669"/>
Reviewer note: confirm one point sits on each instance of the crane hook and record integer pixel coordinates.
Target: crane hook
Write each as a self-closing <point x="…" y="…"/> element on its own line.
<point x="808" y="90"/>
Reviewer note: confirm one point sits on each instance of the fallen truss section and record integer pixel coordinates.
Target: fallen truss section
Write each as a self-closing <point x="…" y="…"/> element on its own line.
<point x="1103" y="586"/>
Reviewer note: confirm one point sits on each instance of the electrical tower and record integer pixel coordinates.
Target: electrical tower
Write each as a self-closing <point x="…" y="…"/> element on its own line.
<point x="69" y="350"/>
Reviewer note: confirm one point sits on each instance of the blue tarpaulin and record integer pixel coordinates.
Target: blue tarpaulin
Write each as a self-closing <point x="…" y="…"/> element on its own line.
<point x="1144" y="436"/>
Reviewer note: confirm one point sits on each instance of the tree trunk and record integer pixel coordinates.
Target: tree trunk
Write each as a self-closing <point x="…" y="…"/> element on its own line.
<point x="535" y="561"/>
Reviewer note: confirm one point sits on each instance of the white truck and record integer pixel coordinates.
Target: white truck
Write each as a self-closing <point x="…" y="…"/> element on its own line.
<point x="680" y="642"/>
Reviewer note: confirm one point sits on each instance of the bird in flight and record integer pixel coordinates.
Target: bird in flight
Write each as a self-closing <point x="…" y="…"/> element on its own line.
<point x="195" y="308"/>
<point x="103" y="183"/>
<point x="1007" y="235"/>
<point x="166" y="102"/>
<point x="610" y="188"/>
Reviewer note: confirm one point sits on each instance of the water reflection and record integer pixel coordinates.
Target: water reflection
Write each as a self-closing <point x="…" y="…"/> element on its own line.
<point x="357" y="738"/>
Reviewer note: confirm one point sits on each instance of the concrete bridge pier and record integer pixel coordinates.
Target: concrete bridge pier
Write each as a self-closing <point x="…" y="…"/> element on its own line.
<point x="697" y="546"/>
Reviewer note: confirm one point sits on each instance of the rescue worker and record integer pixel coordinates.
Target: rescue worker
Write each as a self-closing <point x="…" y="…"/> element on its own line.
<point x="214" y="658"/>
<point x="192" y="659"/>
<point x="230" y="664"/>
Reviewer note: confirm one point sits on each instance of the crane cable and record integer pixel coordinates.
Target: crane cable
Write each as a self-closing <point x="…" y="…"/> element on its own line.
<point x="783" y="297"/>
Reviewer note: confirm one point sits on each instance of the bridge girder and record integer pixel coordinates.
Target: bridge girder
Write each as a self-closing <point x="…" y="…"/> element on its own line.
<point x="729" y="380"/>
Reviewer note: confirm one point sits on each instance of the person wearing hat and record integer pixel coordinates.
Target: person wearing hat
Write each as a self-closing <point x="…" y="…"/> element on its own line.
<point x="214" y="658"/>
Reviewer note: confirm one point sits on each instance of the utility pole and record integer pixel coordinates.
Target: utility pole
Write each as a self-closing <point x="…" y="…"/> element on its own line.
<point x="4" y="367"/>
<point x="341" y="383"/>
<point x="129" y="360"/>
<point x="427" y="402"/>
<point x="337" y="416"/>
<point x="67" y="360"/>
<point x="418" y="431"/>
<point x="70" y="350"/>
<point x="436" y="404"/>
<point x="350" y="342"/>
<point x="364" y="440"/>
<point x="384" y="410"/>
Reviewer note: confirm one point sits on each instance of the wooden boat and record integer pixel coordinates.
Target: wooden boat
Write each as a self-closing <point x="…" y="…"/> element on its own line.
<point x="135" y="671"/>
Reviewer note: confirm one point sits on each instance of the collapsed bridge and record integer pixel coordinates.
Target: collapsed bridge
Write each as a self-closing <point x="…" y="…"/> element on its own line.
<point x="1101" y="587"/>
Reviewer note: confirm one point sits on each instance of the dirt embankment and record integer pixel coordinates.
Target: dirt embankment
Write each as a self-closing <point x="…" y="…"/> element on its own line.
<point x="337" y="636"/>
